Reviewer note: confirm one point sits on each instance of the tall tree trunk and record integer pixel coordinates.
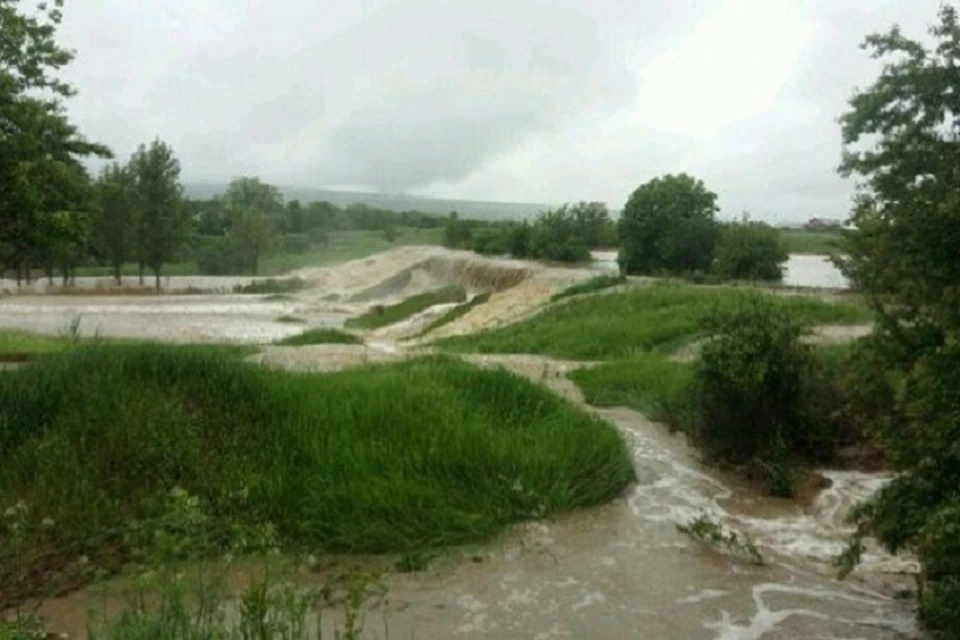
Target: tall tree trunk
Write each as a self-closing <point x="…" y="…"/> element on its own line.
<point x="156" y="272"/>
<point x="116" y="273"/>
<point x="49" y="268"/>
<point x="141" y="265"/>
<point x="26" y="270"/>
<point x="19" y="273"/>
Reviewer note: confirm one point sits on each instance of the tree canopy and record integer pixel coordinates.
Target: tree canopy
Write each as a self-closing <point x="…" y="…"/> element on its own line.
<point x="668" y="225"/>
<point x="902" y="137"/>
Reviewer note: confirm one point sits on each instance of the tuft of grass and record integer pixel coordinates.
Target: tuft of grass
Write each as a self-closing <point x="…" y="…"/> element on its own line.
<point x="456" y="313"/>
<point x="398" y="458"/>
<point x="288" y="319"/>
<point x="657" y="318"/>
<point x="648" y="383"/>
<point x="599" y="283"/>
<point x="320" y="336"/>
<point x="381" y="316"/>
<point x="273" y="285"/>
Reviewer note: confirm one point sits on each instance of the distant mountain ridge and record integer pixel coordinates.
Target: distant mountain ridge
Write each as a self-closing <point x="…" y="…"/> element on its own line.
<point x="393" y="202"/>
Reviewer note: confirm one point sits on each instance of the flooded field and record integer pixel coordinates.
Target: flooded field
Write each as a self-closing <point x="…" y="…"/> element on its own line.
<point x="619" y="571"/>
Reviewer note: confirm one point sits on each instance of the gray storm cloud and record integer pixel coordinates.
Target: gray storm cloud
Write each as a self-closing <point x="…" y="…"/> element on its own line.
<point x="493" y="99"/>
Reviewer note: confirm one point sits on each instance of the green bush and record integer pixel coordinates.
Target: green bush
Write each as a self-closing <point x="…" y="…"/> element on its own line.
<point x="381" y="459"/>
<point x="751" y="388"/>
<point x="748" y="250"/>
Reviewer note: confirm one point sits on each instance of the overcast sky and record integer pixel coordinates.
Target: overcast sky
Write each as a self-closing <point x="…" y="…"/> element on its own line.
<point x="516" y="100"/>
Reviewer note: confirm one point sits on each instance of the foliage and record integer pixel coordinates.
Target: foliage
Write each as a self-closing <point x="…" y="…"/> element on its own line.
<point x="668" y="225"/>
<point x="383" y="459"/>
<point x="901" y="137"/>
<point x="713" y="534"/>
<point x="161" y="223"/>
<point x="593" y="285"/>
<point x="751" y="388"/>
<point x="381" y="316"/>
<point x="40" y="151"/>
<point x="320" y="336"/>
<point x="251" y="208"/>
<point x="749" y="250"/>
<point x="564" y="234"/>
<point x="118" y="223"/>
<point x="622" y="325"/>
<point x="456" y="232"/>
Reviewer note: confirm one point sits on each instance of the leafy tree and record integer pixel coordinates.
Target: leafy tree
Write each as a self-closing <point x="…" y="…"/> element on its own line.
<point x="902" y="137"/>
<point x="668" y="225"/>
<point x="39" y="148"/>
<point x="117" y="224"/>
<point x="252" y="209"/>
<point x="162" y="223"/>
<point x="456" y="232"/>
<point x="558" y="235"/>
<point x="593" y="220"/>
<point x="749" y="250"/>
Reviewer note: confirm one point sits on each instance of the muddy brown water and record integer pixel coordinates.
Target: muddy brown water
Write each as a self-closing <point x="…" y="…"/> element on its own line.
<point x="622" y="570"/>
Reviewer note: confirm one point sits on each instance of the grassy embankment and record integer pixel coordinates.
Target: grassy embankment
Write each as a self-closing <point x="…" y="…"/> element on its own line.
<point x="381" y="316"/>
<point x="394" y="458"/>
<point x="319" y="336"/>
<point x="634" y="333"/>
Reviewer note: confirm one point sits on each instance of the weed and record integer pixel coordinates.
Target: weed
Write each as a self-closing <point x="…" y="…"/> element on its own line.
<point x="708" y="531"/>
<point x="382" y="316"/>
<point x="320" y="336"/>
<point x="288" y="319"/>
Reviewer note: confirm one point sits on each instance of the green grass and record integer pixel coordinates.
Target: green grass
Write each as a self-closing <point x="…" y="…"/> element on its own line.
<point x="288" y="319"/>
<point x="381" y="316"/>
<point x="657" y="318"/>
<point x="397" y="458"/>
<point x="23" y="342"/>
<point x="599" y="283"/>
<point x="320" y="336"/>
<point x="456" y="313"/>
<point x="649" y="383"/>
<point x="810" y="242"/>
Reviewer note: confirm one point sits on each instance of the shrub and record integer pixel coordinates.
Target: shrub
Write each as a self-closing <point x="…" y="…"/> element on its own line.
<point x="216" y="257"/>
<point x="272" y="286"/>
<point x="751" y="387"/>
<point x="749" y="251"/>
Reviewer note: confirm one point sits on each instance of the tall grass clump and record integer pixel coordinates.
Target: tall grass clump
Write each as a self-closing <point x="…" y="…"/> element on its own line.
<point x="381" y="316"/>
<point x="598" y="283"/>
<point x="647" y="383"/>
<point x="396" y="458"/>
<point x="657" y="318"/>
<point x="320" y="335"/>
